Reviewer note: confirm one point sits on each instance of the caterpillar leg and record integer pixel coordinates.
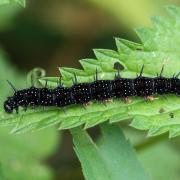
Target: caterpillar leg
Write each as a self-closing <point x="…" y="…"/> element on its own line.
<point x="104" y="102"/>
<point x="150" y="98"/>
<point x="85" y="105"/>
<point x="127" y="100"/>
<point x="109" y="100"/>
<point x="88" y="103"/>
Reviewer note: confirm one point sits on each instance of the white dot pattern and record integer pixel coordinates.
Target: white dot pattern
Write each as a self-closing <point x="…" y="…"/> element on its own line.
<point x="100" y="90"/>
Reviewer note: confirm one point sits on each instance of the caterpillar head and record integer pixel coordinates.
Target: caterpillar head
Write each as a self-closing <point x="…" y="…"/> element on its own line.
<point x="9" y="105"/>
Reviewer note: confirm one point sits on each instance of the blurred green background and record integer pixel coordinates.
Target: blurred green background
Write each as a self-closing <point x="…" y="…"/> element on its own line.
<point x="53" y="33"/>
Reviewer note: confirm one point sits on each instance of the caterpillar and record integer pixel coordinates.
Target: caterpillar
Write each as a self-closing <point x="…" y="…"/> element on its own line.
<point x="98" y="90"/>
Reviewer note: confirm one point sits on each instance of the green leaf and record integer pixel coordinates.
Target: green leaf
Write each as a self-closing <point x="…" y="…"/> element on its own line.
<point x="112" y="158"/>
<point x="159" y="46"/>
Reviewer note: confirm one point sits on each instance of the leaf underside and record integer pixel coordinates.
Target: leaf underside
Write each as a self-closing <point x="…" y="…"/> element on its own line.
<point x="159" y="46"/>
<point x="111" y="158"/>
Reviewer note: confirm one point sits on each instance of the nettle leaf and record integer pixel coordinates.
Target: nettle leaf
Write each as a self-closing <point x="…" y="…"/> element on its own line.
<point x="112" y="157"/>
<point x="159" y="46"/>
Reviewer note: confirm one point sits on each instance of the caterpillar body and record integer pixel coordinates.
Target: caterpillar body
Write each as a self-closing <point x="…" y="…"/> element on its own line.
<point x="99" y="90"/>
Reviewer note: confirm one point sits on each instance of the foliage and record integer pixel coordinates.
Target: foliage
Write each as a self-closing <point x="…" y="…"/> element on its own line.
<point x="159" y="46"/>
<point x="110" y="159"/>
<point x="111" y="156"/>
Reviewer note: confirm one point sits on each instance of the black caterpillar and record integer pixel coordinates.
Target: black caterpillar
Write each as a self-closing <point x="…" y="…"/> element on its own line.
<point x="100" y="90"/>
